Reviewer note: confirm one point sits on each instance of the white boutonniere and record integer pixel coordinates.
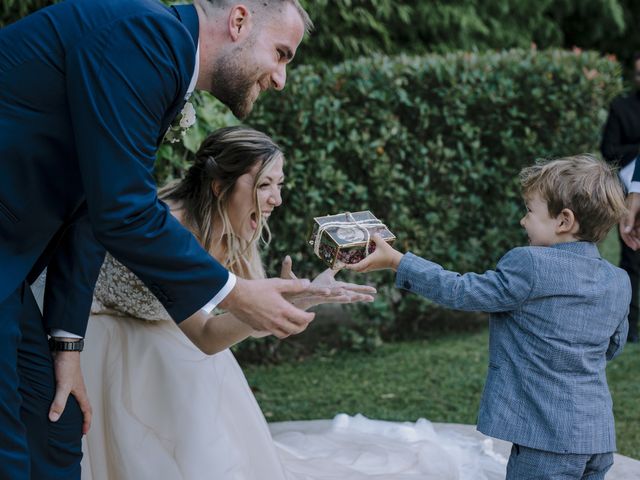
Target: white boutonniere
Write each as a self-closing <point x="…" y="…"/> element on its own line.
<point x="181" y="124"/>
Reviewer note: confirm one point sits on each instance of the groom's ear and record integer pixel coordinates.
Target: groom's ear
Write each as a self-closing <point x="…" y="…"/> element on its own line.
<point x="239" y="22"/>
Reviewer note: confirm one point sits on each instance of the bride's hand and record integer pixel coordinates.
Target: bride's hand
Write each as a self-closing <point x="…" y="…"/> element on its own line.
<point x="326" y="289"/>
<point x="315" y="289"/>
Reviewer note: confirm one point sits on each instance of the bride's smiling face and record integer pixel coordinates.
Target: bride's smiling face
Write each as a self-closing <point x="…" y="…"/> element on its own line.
<point x="255" y="193"/>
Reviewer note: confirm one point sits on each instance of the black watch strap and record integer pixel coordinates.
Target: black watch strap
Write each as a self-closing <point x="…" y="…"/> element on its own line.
<point x="57" y="345"/>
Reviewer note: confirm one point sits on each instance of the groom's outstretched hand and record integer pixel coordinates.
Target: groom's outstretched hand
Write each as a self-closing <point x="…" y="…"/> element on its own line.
<point x="261" y="304"/>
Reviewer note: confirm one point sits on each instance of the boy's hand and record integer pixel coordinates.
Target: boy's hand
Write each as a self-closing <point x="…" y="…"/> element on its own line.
<point x="385" y="256"/>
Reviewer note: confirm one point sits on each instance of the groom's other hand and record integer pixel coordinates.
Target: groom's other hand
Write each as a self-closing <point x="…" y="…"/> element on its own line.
<point x="261" y="305"/>
<point x="385" y="256"/>
<point x="69" y="381"/>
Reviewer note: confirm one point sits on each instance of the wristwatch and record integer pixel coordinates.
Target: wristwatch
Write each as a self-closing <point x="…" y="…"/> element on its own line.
<point x="57" y="345"/>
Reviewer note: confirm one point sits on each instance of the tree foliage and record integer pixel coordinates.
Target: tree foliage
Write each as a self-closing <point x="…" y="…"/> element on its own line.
<point x="347" y="29"/>
<point x="351" y="28"/>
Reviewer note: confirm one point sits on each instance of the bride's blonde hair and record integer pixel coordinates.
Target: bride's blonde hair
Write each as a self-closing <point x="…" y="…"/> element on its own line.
<point x="223" y="156"/>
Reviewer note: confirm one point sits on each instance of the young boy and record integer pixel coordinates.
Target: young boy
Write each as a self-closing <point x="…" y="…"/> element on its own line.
<point x="559" y="312"/>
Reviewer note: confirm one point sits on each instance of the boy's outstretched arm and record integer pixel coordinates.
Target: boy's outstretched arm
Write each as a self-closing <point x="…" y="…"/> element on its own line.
<point x="494" y="291"/>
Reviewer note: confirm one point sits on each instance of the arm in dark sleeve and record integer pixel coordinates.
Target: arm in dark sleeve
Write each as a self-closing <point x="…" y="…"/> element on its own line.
<point x="71" y="276"/>
<point x="612" y="148"/>
<point x="121" y="81"/>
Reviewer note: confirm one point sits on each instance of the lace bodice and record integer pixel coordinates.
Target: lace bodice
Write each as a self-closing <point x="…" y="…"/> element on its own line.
<point x="118" y="290"/>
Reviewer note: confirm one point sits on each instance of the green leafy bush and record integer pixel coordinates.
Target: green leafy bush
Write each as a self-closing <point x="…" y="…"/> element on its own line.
<point x="433" y="146"/>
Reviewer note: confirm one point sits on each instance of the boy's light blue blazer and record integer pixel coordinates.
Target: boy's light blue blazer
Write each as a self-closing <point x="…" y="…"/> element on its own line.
<point x="557" y="315"/>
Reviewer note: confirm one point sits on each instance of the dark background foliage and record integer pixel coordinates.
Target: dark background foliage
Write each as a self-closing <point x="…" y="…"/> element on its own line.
<point x="347" y="29"/>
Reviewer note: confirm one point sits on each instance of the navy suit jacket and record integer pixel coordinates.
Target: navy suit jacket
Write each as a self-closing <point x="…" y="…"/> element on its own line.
<point x="87" y="90"/>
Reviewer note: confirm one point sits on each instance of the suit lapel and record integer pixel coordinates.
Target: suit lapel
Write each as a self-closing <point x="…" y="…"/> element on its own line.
<point x="189" y="18"/>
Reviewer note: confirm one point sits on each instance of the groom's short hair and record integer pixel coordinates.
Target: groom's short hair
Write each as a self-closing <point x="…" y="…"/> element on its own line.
<point x="588" y="187"/>
<point x="266" y="8"/>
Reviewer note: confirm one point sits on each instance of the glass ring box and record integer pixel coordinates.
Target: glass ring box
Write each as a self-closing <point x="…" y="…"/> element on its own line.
<point x="341" y="239"/>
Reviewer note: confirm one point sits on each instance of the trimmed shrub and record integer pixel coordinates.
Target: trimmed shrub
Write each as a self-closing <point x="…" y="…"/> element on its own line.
<point x="433" y="146"/>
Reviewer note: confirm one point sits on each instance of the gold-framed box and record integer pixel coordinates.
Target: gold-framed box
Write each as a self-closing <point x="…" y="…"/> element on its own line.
<point x="341" y="239"/>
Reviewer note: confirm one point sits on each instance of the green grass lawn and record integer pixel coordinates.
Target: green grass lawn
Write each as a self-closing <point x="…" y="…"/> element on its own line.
<point x="440" y="379"/>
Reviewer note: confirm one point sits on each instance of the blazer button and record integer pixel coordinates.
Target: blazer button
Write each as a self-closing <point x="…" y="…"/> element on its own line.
<point x="407" y="285"/>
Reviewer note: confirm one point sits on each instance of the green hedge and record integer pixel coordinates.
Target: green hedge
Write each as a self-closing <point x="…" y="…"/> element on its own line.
<point x="432" y="145"/>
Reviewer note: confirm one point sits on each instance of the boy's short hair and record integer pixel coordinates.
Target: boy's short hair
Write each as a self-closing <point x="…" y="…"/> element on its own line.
<point x="585" y="185"/>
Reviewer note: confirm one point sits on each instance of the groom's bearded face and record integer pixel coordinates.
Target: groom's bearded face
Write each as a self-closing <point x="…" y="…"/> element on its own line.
<point x="238" y="81"/>
<point x="258" y="63"/>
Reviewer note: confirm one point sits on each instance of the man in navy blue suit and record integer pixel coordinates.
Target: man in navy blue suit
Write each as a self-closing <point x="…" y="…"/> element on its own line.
<point x="87" y="90"/>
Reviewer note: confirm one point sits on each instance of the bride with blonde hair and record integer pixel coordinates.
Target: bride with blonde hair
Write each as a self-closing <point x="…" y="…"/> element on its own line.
<point x="164" y="410"/>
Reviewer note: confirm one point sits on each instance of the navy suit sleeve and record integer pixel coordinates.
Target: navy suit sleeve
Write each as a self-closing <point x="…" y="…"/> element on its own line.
<point x="71" y="276"/>
<point x="501" y="290"/>
<point x="612" y="148"/>
<point x="121" y="81"/>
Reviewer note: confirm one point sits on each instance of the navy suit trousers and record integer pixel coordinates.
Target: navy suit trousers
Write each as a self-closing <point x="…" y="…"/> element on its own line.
<point x="32" y="447"/>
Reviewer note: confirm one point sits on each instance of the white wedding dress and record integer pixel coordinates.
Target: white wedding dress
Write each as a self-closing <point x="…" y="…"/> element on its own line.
<point x="162" y="410"/>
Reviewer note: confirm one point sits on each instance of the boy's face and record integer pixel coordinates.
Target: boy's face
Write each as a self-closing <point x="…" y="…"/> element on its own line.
<point x="540" y="226"/>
